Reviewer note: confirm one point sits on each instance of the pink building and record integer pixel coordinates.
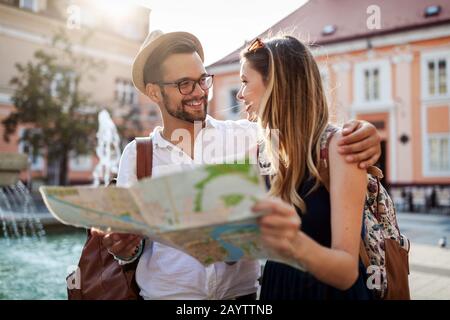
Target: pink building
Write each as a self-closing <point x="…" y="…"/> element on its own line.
<point x="387" y="62"/>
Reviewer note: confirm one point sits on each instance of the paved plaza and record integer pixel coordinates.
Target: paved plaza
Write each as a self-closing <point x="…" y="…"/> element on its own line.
<point x="429" y="263"/>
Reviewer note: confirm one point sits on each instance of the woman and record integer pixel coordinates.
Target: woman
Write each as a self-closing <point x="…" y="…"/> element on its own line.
<point x="281" y="84"/>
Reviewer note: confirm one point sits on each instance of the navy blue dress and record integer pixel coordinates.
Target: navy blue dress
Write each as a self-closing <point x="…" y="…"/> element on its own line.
<point x="282" y="282"/>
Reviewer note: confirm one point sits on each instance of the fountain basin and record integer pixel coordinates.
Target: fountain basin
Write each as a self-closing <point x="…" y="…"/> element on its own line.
<point x="10" y="166"/>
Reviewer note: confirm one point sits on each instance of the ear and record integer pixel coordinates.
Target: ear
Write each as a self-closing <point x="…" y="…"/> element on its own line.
<point x="153" y="91"/>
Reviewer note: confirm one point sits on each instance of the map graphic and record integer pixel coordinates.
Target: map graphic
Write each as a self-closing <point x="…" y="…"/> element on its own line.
<point x="205" y="212"/>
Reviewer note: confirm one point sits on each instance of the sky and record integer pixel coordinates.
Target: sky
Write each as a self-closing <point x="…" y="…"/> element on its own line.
<point x="221" y="26"/>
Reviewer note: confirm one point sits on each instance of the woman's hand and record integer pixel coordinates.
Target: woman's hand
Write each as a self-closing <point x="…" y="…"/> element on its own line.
<point x="279" y="228"/>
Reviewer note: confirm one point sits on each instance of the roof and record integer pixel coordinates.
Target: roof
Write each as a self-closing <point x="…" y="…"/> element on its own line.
<point x="350" y="19"/>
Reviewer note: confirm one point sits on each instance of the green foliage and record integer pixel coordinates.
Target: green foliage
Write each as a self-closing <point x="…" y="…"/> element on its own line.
<point x="47" y="97"/>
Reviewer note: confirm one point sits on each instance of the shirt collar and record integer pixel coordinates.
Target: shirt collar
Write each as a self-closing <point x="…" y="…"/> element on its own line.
<point x="160" y="142"/>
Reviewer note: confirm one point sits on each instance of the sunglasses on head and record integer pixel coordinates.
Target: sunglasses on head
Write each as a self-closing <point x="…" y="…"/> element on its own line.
<point x="255" y="45"/>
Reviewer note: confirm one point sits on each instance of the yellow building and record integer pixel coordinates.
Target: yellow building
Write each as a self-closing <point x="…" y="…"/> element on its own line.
<point x="118" y="31"/>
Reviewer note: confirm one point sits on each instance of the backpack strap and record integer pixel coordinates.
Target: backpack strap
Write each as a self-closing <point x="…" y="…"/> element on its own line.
<point x="363" y="254"/>
<point x="144" y="158"/>
<point x="101" y="276"/>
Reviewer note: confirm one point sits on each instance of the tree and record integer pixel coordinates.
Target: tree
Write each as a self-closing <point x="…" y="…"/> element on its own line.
<point x="47" y="97"/>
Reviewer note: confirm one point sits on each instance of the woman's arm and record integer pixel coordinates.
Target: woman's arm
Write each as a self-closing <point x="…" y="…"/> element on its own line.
<point x="347" y="193"/>
<point x="338" y="265"/>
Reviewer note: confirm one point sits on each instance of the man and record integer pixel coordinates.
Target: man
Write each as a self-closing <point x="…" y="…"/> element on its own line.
<point x="169" y="70"/>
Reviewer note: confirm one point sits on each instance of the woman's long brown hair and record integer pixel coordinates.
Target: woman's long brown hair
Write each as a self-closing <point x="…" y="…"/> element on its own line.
<point x="294" y="104"/>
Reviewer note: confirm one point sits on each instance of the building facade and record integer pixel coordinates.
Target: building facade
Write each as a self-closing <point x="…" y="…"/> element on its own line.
<point x="395" y="74"/>
<point x="28" y="25"/>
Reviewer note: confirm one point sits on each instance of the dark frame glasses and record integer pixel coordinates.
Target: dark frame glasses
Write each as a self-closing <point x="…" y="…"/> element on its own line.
<point x="187" y="86"/>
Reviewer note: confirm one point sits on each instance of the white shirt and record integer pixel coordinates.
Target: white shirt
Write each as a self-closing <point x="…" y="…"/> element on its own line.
<point x="167" y="273"/>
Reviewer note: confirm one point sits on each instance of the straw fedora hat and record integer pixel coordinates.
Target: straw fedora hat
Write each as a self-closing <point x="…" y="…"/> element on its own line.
<point x="153" y="41"/>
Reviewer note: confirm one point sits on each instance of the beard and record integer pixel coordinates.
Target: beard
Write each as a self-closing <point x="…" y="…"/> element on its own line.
<point x="183" y="112"/>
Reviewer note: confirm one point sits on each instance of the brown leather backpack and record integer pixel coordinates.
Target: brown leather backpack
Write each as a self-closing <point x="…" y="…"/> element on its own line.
<point x="99" y="276"/>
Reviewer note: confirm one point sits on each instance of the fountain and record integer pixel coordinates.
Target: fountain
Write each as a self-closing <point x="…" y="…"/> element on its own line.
<point x="19" y="215"/>
<point x="17" y="208"/>
<point x="34" y="266"/>
<point x="108" y="149"/>
<point x="10" y="166"/>
<point x="32" y="263"/>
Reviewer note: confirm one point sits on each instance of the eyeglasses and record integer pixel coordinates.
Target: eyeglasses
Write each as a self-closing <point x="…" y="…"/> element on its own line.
<point x="255" y="45"/>
<point x="187" y="86"/>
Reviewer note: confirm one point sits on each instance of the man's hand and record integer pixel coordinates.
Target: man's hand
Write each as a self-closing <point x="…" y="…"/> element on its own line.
<point x="122" y="245"/>
<point x="360" y="142"/>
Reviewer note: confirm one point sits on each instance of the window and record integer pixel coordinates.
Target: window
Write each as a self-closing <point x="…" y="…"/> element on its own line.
<point x="329" y="30"/>
<point x="431" y="78"/>
<point x="125" y="92"/>
<point x="80" y="163"/>
<point x="432" y="11"/>
<point x="235" y="106"/>
<point x="439" y="153"/>
<point x="37" y="162"/>
<point x="435" y="75"/>
<point x="58" y="82"/>
<point x="29" y="5"/>
<point x="371" y="84"/>
<point x="442" y="77"/>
